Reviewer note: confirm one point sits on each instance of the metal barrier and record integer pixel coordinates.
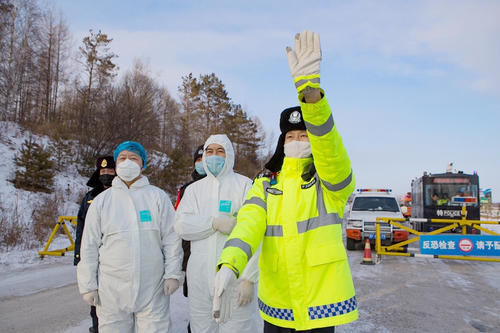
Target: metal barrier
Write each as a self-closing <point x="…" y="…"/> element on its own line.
<point x="61" y="222"/>
<point x="400" y="249"/>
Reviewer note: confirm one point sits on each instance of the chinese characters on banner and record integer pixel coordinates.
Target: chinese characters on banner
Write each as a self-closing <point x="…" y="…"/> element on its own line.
<point x="474" y="245"/>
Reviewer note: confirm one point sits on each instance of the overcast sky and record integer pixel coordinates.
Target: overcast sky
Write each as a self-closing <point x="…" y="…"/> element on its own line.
<point x="413" y="84"/>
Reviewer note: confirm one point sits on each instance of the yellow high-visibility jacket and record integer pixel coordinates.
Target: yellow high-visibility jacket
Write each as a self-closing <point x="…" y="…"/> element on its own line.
<point x="305" y="281"/>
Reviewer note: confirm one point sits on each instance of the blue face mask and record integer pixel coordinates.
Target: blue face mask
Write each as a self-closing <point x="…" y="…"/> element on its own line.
<point x="198" y="166"/>
<point x="215" y="164"/>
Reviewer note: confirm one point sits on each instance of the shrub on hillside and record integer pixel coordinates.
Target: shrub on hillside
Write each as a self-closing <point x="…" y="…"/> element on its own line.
<point x="11" y="231"/>
<point x="35" y="170"/>
<point x="45" y="214"/>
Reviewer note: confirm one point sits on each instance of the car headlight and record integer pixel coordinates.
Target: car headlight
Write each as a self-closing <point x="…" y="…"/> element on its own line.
<point x="355" y="223"/>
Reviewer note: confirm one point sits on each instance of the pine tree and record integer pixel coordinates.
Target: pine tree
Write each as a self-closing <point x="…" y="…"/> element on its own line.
<point x="208" y="109"/>
<point x="171" y="175"/>
<point x="247" y="139"/>
<point x="34" y="168"/>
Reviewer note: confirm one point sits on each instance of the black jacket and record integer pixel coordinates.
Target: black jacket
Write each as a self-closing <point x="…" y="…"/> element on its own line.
<point x="82" y="212"/>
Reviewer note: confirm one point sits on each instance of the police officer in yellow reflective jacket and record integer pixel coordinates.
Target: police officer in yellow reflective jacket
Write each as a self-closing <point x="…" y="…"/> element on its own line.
<point x="305" y="282"/>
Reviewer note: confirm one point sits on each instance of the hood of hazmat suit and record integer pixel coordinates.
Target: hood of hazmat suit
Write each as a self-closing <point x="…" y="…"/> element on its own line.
<point x="201" y="203"/>
<point x="129" y="246"/>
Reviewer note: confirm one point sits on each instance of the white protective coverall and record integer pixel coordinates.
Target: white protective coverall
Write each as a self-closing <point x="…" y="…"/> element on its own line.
<point x="128" y="248"/>
<point x="202" y="201"/>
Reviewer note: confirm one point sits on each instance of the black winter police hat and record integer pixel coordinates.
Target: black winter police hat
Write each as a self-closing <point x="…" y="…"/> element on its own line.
<point x="198" y="153"/>
<point x="290" y="120"/>
<point x="103" y="162"/>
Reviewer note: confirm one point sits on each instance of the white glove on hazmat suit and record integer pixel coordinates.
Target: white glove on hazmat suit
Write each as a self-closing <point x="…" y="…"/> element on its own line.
<point x="245" y="292"/>
<point x="170" y="286"/>
<point x="224" y="281"/>
<point x="224" y="224"/>
<point x="91" y="298"/>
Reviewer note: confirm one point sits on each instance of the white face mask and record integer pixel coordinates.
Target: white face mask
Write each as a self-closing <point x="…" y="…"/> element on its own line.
<point x="298" y="149"/>
<point x="128" y="170"/>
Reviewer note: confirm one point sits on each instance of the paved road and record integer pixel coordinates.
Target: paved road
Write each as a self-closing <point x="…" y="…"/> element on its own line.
<point x="52" y="310"/>
<point x="397" y="295"/>
<point x="426" y="295"/>
<point x="44" y="298"/>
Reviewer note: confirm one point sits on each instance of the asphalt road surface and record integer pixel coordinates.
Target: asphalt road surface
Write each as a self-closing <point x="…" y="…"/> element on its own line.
<point x="397" y="295"/>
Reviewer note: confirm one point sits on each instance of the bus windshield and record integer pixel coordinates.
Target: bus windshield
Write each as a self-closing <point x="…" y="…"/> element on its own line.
<point x="443" y="194"/>
<point x="375" y="204"/>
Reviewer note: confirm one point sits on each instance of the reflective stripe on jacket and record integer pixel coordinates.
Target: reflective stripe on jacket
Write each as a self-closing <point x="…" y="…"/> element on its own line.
<point x="305" y="280"/>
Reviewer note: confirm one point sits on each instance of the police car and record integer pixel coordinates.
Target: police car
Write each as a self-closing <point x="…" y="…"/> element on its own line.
<point x="362" y="213"/>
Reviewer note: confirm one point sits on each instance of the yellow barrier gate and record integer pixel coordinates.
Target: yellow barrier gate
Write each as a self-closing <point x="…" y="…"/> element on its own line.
<point x="397" y="249"/>
<point x="61" y="222"/>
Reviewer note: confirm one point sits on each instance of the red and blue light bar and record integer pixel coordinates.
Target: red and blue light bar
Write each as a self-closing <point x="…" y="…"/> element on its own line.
<point x="463" y="199"/>
<point x="386" y="190"/>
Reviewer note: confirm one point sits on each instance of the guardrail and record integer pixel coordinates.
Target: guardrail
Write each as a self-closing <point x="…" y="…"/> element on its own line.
<point x="399" y="249"/>
<point x="61" y="222"/>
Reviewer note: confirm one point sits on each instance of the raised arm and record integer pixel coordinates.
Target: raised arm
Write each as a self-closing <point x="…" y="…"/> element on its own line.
<point x="330" y="157"/>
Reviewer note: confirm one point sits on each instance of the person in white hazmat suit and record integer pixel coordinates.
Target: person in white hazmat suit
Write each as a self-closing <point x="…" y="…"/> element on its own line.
<point x="130" y="255"/>
<point x="205" y="216"/>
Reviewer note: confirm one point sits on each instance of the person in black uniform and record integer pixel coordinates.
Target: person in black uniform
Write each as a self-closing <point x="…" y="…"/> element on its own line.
<point x="197" y="174"/>
<point x="99" y="181"/>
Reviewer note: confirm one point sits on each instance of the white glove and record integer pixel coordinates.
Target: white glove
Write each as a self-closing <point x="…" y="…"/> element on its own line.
<point x="91" y="298"/>
<point x="304" y="62"/>
<point x="224" y="223"/>
<point x="245" y="292"/>
<point x="170" y="286"/>
<point x="224" y="282"/>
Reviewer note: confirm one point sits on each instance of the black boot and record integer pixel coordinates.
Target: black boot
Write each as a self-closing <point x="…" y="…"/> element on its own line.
<point x="95" y="320"/>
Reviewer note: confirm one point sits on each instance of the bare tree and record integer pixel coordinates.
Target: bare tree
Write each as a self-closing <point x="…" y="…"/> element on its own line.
<point x="138" y="96"/>
<point x="26" y="83"/>
<point x="99" y="71"/>
<point x="53" y="49"/>
<point x="170" y="121"/>
<point x="7" y="29"/>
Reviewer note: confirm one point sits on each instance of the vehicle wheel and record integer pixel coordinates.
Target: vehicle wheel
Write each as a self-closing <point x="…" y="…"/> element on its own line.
<point x="351" y="244"/>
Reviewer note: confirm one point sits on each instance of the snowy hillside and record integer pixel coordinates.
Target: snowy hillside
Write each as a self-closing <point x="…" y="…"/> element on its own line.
<point x="17" y="205"/>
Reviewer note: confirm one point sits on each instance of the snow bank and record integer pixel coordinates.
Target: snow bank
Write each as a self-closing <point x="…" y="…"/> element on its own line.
<point x="16" y="205"/>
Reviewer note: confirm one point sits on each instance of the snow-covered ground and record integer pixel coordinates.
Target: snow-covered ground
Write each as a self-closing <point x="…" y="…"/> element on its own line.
<point x="17" y="205"/>
<point x="68" y="183"/>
